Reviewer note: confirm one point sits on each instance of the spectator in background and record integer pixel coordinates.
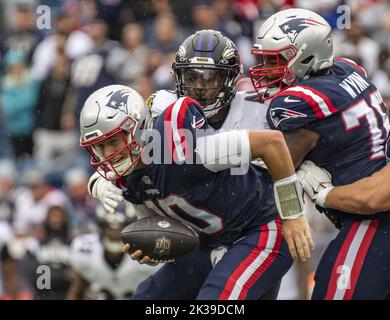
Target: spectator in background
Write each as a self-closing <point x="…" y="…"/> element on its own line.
<point x="8" y="265"/>
<point x="162" y="76"/>
<point x="155" y="9"/>
<point x="82" y="205"/>
<point x="92" y="71"/>
<point x="87" y="11"/>
<point x="77" y="44"/>
<point x="375" y="18"/>
<point x="130" y="61"/>
<point x="145" y="86"/>
<point x="23" y="36"/>
<point x="18" y="97"/>
<point x="165" y="44"/>
<point x="205" y="15"/>
<point x="381" y="78"/>
<point x="166" y="34"/>
<point x="8" y="279"/>
<point x="55" y="137"/>
<point x="153" y="61"/>
<point x="110" y="12"/>
<point x="6" y="150"/>
<point x="52" y="247"/>
<point x="8" y="176"/>
<point x="354" y="42"/>
<point x="224" y="10"/>
<point x="32" y="203"/>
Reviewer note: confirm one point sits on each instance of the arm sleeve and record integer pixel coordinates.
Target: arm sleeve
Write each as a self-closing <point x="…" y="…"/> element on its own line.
<point x="224" y="150"/>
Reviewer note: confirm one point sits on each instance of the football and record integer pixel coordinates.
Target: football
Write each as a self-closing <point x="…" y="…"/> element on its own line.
<point x="163" y="239"/>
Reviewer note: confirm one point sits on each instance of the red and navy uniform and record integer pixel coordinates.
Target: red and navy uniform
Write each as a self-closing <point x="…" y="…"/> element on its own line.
<point x="233" y="210"/>
<point x="348" y="113"/>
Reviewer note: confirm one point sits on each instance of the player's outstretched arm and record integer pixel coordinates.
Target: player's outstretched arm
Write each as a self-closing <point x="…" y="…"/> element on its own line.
<point x="270" y="145"/>
<point x="366" y="196"/>
<point x="272" y="148"/>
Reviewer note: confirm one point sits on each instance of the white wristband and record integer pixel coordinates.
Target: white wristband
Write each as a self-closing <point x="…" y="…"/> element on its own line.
<point x="321" y="196"/>
<point x="289" y="197"/>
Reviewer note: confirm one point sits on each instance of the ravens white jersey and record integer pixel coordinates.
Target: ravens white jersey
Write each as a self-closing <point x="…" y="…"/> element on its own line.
<point x="246" y="112"/>
<point x="87" y="259"/>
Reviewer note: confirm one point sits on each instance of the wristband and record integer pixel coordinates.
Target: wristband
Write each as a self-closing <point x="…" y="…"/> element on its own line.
<point x="289" y="197"/>
<point x="321" y="196"/>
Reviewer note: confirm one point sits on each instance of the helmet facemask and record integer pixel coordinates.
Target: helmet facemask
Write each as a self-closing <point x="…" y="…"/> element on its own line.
<point x="211" y="86"/>
<point x="126" y="155"/>
<point x="206" y="68"/>
<point x="272" y="73"/>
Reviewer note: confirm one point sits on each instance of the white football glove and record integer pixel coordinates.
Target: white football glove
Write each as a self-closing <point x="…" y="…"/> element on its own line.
<point x="105" y="191"/>
<point x="316" y="182"/>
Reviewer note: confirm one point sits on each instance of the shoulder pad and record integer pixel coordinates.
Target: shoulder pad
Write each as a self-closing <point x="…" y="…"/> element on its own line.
<point x="159" y="101"/>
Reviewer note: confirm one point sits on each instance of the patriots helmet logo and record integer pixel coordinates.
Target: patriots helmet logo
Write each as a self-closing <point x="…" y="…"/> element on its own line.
<point x="278" y="115"/>
<point x="118" y="100"/>
<point x="293" y="27"/>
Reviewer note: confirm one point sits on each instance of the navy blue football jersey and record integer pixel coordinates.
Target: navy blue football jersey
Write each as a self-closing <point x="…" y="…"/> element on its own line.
<point x="219" y="205"/>
<point x="348" y="113"/>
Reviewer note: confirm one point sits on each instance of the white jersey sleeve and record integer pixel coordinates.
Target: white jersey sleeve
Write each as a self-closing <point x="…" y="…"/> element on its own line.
<point x="224" y="150"/>
<point x="160" y="100"/>
<point x="246" y="112"/>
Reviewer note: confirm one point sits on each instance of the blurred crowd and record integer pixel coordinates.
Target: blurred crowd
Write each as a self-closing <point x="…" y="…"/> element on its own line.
<point x="49" y="68"/>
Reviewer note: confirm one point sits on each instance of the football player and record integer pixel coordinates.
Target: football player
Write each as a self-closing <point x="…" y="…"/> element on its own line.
<point x="176" y="170"/>
<point x="101" y="270"/>
<point x="332" y="114"/>
<point x="206" y="68"/>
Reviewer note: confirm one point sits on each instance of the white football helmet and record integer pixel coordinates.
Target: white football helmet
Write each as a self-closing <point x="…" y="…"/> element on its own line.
<point x="291" y="45"/>
<point x="109" y="111"/>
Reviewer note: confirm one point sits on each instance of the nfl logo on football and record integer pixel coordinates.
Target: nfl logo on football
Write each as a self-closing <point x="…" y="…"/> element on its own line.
<point x="162" y="246"/>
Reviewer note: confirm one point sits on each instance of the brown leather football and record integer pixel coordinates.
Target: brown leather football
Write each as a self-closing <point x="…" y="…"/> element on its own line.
<point x="163" y="239"/>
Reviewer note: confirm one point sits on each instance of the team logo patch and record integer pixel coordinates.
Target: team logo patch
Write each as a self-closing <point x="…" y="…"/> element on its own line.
<point x="293" y="27"/>
<point x="278" y="115"/>
<point x="118" y="100"/>
<point x="162" y="246"/>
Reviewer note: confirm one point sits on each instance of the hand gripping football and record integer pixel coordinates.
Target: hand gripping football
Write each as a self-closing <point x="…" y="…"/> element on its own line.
<point x="163" y="239"/>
